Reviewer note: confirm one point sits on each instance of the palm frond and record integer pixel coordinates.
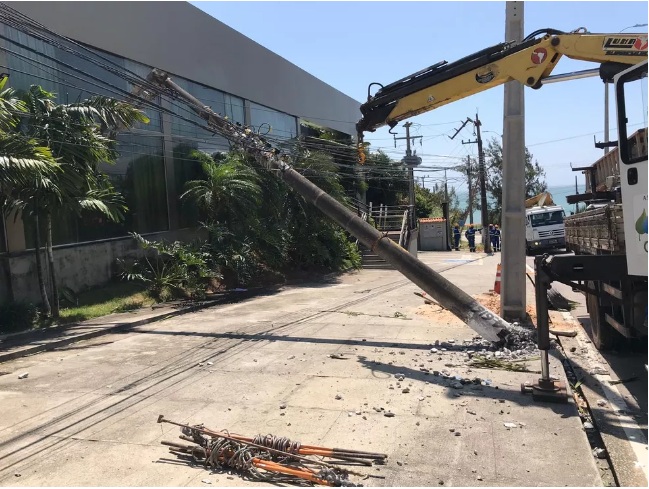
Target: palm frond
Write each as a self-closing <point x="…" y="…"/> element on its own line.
<point x="23" y="161"/>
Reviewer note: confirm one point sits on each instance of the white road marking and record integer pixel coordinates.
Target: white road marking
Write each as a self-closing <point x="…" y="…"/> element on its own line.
<point x="633" y="433"/>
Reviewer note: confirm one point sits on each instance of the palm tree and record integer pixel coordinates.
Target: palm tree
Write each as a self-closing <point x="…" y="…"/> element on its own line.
<point x="77" y="137"/>
<point x="228" y="191"/>
<point x="24" y="163"/>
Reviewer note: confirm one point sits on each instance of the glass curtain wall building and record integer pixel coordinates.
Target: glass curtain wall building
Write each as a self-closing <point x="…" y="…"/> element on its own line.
<point x="113" y="43"/>
<point x="153" y="163"/>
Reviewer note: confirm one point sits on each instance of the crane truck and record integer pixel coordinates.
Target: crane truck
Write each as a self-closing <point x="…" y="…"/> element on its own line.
<point x="622" y="58"/>
<point x="530" y="62"/>
<point x="613" y="229"/>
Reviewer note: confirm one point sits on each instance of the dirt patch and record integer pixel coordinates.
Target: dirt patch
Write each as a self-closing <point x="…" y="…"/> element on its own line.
<point x="490" y="301"/>
<point x="438" y="314"/>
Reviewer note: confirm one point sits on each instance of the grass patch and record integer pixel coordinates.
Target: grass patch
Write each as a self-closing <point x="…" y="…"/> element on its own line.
<point x="109" y="299"/>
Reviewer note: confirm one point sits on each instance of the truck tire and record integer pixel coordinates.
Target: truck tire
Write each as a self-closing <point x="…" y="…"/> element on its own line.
<point x="604" y="335"/>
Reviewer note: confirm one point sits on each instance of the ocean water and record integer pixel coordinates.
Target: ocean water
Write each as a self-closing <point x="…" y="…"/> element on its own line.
<point x="559" y="193"/>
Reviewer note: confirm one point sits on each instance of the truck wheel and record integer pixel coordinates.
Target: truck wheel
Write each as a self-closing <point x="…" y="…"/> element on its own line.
<point x="604" y="336"/>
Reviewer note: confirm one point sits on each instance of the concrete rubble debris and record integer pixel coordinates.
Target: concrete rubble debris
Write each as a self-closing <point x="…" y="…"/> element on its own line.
<point x="599" y="452"/>
<point x="24" y="375"/>
<point x="269" y="458"/>
<point x="510" y="425"/>
<point x="336" y="356"/>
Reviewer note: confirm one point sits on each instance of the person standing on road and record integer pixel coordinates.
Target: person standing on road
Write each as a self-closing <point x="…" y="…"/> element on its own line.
<point x="470" y="236"/>
<point x="496" y="238"/>
<point x="492" y="236"/>
<point x="456" y="236"/>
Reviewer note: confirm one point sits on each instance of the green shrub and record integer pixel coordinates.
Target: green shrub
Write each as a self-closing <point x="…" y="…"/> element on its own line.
<point x="170" y="270"/>
<point x="17" y="316"/>
<point x="353" y="259"/>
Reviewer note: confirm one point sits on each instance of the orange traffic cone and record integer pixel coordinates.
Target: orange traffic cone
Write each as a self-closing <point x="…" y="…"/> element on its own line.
<point x="497" y="283"/>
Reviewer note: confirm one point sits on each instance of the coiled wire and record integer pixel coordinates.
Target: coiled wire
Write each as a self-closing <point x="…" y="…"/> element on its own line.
<point x="278" y="443"/>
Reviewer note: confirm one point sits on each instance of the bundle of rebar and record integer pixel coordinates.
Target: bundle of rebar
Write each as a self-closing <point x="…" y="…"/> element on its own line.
<point x="268" y="457"/>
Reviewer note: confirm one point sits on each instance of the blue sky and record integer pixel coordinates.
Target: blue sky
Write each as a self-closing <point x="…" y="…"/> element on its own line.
<point x="351" y="44"/>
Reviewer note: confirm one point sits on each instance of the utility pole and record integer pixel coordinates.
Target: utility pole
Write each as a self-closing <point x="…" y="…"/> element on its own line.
<point x="486" y="239"/>
<point x="468" y="176"/>
<point x="486" y="243"/>
<point x="512" y="298"/>
<point x="445" y="187"/>
<point x="410" y="161"/>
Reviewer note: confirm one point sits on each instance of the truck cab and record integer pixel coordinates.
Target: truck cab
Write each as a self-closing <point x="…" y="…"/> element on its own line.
<point x="544" y="228"/>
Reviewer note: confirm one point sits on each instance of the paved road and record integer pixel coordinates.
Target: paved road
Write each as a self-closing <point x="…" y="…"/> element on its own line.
<point x="86" y="414"/>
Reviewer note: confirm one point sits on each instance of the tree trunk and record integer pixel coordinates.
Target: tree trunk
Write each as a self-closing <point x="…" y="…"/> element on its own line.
<point x="50" y="261"/>
<point x="39" y="267"/>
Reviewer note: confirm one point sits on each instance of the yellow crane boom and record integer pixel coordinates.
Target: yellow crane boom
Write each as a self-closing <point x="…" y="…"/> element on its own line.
<point x="530" y="62"/>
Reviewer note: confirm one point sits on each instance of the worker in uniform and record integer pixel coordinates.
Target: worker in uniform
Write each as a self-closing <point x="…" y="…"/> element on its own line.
<point x="492" y="236"/>
<point x="470" y="236"/>
<point x="456" y="236"/>
<point x="496" y="238"/>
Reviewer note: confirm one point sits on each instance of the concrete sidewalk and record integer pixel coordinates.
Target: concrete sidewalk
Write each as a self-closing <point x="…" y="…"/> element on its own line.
<point x="16" y="345"/>
<point x="86" y="415"/>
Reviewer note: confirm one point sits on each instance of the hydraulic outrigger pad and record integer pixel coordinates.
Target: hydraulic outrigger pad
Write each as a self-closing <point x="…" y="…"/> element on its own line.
<point x="546" y="389"/>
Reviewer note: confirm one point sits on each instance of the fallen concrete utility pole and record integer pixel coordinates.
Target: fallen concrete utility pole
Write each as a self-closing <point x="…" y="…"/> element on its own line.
<point x="483" y="321"/>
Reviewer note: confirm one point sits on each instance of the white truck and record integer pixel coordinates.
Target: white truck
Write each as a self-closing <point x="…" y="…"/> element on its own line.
<point x="544" y="228"/>
<point x="609" y="239"/>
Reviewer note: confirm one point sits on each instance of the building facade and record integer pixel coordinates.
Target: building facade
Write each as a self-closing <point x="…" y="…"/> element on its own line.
<point x="224" y="69"/>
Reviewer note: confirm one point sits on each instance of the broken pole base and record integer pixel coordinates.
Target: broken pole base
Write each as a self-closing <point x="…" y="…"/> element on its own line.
<point x="547" y="391"/>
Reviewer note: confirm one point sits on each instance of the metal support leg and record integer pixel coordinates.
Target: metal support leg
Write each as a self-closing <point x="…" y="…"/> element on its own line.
<point x="545" y="389"/>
